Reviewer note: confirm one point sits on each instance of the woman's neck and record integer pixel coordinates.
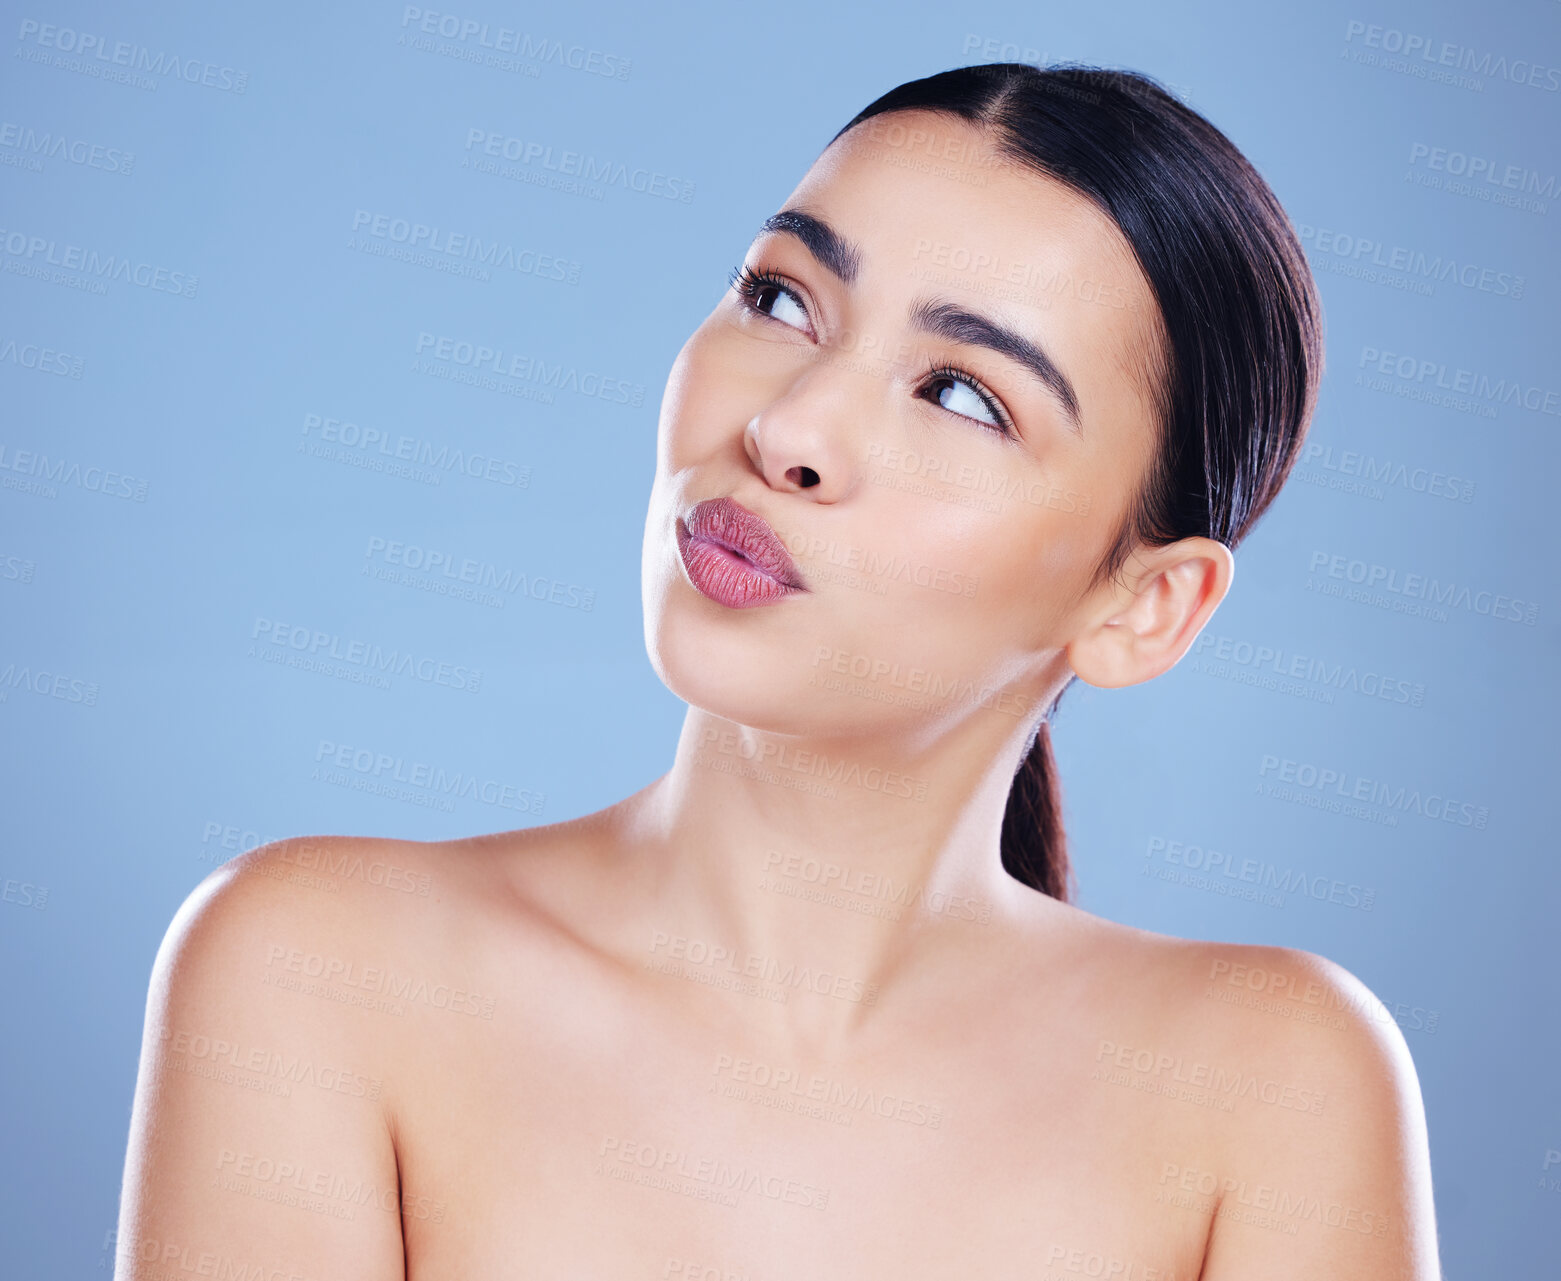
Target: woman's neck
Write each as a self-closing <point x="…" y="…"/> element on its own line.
<point x="836" y="865"/>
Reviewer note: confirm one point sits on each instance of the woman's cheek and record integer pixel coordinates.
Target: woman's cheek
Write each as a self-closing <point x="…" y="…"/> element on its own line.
<point x="959" y="549"/>
<point x="703" y="395"/>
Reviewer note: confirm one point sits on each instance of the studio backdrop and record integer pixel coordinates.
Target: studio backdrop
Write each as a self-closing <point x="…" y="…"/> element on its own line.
<point x="332" y="344"/>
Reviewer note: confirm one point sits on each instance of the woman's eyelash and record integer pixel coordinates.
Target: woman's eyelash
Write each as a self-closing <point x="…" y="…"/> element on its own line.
<point x="749" y="283"/>
<point x="1005" y="425"/>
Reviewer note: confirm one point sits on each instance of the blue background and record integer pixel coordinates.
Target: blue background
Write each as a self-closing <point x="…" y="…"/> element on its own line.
<point x="148" y="733"/>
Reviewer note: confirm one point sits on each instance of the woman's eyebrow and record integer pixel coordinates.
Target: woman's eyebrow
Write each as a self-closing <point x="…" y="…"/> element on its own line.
<point x="843" y="259"/>
<point x="955" y="323"/>
<point x="834" y="252"/>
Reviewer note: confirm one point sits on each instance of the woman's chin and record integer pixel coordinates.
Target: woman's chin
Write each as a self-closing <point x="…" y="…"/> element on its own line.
<point x="727" y="687"/>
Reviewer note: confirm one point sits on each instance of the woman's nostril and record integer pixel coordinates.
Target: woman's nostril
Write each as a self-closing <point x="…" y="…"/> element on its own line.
<point x="804" y="476"/>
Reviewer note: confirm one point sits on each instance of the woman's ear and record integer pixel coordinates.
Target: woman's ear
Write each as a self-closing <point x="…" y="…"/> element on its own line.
<point x="1145" y="624"/>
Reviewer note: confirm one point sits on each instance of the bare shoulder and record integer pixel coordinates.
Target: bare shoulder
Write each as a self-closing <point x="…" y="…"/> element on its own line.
<point x="376" y="896"/>
<point x="350" y="944"/>
<point x="1252" y="1001"/>
<point x="1323" y="1164"/>
<point x="348" y="890"/>
<point x="1308" y="1021"/>
<point x="266" y="1073"/>
<point x="309" y="916"/>
<point x="298" y="1006"/>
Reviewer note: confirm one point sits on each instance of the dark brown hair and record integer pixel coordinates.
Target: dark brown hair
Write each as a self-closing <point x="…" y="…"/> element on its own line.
<point x="1239" y="317"/>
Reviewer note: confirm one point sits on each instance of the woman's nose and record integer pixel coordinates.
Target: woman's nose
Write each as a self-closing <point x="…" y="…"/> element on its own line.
<point x="811" y="436"/>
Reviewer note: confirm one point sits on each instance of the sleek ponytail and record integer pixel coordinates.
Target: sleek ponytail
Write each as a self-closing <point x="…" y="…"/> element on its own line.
<point x="1238" y="311"/>
<point x="1034" y="845"/>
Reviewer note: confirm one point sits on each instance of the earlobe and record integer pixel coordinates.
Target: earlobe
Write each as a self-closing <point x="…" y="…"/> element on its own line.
<point x="1173" y="595"/>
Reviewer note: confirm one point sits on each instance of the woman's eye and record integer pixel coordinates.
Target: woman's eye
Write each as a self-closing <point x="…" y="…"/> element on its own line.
<point x="959" y="397"/>
<point x="782" y="304"/>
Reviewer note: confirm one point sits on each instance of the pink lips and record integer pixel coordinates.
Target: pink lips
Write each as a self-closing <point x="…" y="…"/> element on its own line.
<point x="733" y="556"/>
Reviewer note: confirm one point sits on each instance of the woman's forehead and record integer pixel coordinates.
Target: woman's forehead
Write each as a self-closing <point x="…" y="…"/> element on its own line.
<point x="925" y="203"/>
<point x="978" y="207"/>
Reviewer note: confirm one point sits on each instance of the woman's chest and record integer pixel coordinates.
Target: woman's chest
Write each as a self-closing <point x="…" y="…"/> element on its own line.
<point x="622" y="1156"/>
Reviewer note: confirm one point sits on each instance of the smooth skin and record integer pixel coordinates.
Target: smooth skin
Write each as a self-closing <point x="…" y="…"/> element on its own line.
<point x="666" y="1040"/>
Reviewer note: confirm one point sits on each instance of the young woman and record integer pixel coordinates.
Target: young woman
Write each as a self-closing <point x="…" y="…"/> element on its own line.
<point x="989" y="404"/>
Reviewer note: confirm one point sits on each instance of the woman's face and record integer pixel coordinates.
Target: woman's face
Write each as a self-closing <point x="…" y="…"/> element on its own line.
<point x="892" y="395"/>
